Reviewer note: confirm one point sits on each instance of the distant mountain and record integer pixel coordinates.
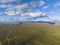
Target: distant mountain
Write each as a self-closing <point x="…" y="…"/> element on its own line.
<point x="28" y="22"/>
<point x="43" y="22"/>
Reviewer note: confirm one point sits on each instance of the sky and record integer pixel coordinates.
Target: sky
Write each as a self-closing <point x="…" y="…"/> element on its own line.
<point x="29" y="10"/>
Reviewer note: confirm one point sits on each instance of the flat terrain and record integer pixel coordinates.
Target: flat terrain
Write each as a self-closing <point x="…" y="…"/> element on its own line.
<point x="30" y="34"/>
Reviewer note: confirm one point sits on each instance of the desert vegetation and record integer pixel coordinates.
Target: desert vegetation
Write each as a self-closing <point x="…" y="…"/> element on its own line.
<point x="29" y="34"/>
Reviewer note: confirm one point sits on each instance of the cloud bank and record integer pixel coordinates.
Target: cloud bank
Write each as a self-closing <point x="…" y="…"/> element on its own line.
<point x="26" y="11"/>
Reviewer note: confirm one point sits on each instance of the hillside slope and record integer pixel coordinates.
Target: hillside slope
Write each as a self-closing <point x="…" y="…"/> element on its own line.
<point x="29" y="34"/>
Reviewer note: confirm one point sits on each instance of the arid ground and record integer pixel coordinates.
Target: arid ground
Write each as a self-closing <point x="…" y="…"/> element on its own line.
<point x="29" y="34"/>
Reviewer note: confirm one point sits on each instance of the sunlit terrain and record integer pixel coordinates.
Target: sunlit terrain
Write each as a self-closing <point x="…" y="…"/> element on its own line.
<point x="29" y="22"/>
<point x="30" y="34"/>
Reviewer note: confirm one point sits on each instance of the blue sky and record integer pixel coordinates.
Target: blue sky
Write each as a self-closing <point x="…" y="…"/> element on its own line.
<point x="29" y="10"/>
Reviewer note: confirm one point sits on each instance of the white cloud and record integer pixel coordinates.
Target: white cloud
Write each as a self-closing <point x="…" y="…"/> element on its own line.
<point x="34" y="14"/>
<point x="20" y="9"/>
<point x="52" y="18"/>
<point x="18" y="12"/>
<point x="22" y="18"/>
<point x="10" y="13"/>
<point x="10" y="9"/>
<point x="21" y="6"/>
<point x="6" y="6"/>
<point x="57" y="4"/>
<point x="44" y="14"/>
<point x="41" y="3"/>
<point x="10" y="6"/>
<point x="7" y="1"/>
<point x="45" y="7"/>
<point x="33" y="4"/>
<point x="17" y="7"/>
